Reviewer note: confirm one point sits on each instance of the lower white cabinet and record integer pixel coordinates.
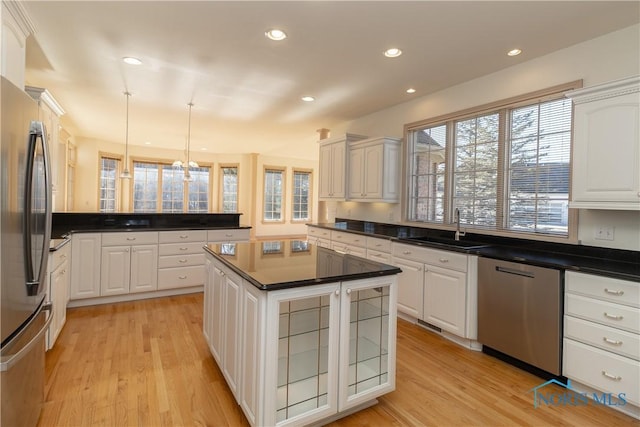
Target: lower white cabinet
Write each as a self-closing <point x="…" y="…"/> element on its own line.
<point x="297" y="356"/>
<point x="129" y="263"/>
<point x="410" y="286"/>
<point x="181" y="259"/>
<point x="602" y="335"/>
<point x="85" y="265"/>
<point x="58" y="283"/>
<point x="445" y="297"/>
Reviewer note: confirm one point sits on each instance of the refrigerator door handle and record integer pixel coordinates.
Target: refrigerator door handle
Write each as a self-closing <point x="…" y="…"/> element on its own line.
<point x="32" y="280"/>
<point x="5" y="365"/>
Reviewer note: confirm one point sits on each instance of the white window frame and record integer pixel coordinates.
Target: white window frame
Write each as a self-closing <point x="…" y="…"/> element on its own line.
<point x="283" y="192"/>
<point x="223" y="194"/>
<point x="116" y="182"/>
<point x="295" y="195"/>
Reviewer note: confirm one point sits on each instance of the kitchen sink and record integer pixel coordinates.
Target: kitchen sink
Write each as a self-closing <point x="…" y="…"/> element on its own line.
<point x="466" y="244"/>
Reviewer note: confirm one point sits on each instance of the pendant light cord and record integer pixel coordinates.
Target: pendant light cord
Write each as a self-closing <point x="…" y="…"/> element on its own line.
<point x="126" y="140"/>
<point x="189" y="136"/>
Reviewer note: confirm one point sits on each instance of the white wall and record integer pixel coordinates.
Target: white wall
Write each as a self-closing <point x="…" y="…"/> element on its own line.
<point x="610" y="57"/>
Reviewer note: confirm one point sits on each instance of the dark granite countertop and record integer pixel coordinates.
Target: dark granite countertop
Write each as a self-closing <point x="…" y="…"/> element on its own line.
<point x="63" y="223"/>
<point x="291" y="263"/>
<point x="617" y="263"/>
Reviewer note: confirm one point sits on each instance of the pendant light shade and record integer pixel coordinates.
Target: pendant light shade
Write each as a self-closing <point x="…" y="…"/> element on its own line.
<point x="188" y="163"/>
<point x="125" y="173"/>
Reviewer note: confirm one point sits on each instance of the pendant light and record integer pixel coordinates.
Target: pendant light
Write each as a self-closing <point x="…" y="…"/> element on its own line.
<point x="188" y="163"/>
<point x="125" y="173"/>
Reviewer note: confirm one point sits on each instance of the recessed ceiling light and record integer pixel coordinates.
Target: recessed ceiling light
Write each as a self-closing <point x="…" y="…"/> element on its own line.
<point x="204" y="148"/>
<point x="394" y="52"/>
<point x="131" y="60"/>
<point x="514" y="52"/>
<point x="276" y="34"/>
<point x="411" y="90"/>
<point x="308" y="98"/>
<point x="147" y="143"/>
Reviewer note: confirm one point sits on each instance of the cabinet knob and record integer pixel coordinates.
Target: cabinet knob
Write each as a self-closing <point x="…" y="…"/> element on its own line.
<point x="337" y="292"/>
<point x="126" y="250"/>
<point x="348" y="291"/>
<point x="183" y="236"/>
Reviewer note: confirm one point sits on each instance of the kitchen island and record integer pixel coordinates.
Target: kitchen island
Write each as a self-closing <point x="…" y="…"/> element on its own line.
<point x="302" y="334"/>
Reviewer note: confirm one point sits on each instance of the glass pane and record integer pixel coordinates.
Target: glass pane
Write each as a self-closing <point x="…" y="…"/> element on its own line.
<point x="273" y="188"/>
<point x="303" y="355"/>
<point x="368" y="339"/>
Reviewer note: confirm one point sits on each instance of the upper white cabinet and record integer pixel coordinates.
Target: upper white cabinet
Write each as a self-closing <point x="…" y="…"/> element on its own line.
<point x="606" y="146"/>
<point x="16" y="27"/>
<point x="374" y="166"/>
<point x="333" y="166"/>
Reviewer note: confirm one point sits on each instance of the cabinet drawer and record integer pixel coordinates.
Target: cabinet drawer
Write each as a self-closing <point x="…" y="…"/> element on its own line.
<point x="319" y="232"/>
<point x="602" y="370"/>
<point x="170" y="278"/>
<point x="183" y="236"/>
<point x="604" y="288"/>
<point x="228" y="235"/>
<point x="381" y="245"/>
<point x="58" y="257"/>
<point x="129" y="238"/>
<point x="603" y="312"/>
<point x="349" y="249"/>
<point x="180" y="260"/>
<point x="444" y="259"/>
<point x="611" y="339"/>
<point x="181" y="248"/>
<point x="348" y="238"/>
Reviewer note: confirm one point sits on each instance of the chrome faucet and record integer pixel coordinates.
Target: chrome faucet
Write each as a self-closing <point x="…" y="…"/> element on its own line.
<point x="457" y="220"/>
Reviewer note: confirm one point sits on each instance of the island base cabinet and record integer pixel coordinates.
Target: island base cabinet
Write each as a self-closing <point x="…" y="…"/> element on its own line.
<point x="304" y="354"/>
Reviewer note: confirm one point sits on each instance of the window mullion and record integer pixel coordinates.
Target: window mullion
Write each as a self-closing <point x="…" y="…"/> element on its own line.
<point x="502" y="192"/>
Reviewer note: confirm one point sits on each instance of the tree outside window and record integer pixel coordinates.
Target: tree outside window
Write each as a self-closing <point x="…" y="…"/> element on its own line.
<point x="301" y="203"/>
<point x="273" y="195"/>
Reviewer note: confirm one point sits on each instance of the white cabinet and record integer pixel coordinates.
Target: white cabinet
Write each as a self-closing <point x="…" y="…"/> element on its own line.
<point x="297" y="356"/>
<point x="228" y="235"/>
<point x="85" y="265"/>
<point x="319" y="236"/>
<point x="59" y="279"/>
<point x="410" y="286"/>
<point x="374" y="170"/>
<point x="606" y="146"/>
<point x="15" y="30"/>
<point x="445" y="299"/>
<point x="181" y="259"/>
<point x="333" y="166"/>
<point x="602" y="334"/>
<point x="349" y="243"/>
<point x="129" y="263"/>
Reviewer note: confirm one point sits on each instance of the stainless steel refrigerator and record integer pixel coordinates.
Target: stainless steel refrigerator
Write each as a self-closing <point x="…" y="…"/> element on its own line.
<point x="25" y="232"/>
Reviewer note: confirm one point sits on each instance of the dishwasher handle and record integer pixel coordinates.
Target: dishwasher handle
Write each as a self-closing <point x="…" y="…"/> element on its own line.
<point x="515" y="272"/>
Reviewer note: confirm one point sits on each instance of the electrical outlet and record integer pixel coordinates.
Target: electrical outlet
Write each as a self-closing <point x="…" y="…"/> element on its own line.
<point x="604" y="232"/>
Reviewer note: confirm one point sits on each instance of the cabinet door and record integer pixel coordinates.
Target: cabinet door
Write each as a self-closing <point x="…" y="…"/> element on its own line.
<point x="85" y="265"/>
<point x="373" y="170"/>
<point x="356" y="173"/>
<point x="144" y="268"/>
<point x="410" y="287"/>
<point x="338" y="163"/>
<point x="301" y="360"/>
<point x="252" y="352"/>
<point x="58" y="280"/>
<point x="115" y="270"/>
<point x="367" y="340"/>
<point x="324" y="185"/>
<point x="231" y="332"/>
<point x="602" y="173"/>
<point x="445" y="299"/>
<point x="217" y="319"/>
<point x="207" y="312"/>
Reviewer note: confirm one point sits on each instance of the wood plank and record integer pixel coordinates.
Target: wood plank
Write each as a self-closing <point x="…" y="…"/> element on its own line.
<point x="146" y="363"/>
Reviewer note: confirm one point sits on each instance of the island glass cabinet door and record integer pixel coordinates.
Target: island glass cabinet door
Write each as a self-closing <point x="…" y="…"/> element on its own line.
<point x="367" y="340"/>
<point x="302" y="372"/>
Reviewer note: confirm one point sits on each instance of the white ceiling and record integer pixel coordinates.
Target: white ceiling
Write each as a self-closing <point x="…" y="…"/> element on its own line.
<point x="246" y="89"/>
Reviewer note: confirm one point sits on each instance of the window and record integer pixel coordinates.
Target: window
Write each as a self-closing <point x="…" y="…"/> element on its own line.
<point x="109" y="171"/>
<point x="301" y="195"/>
<point x="504" y="168"/>
<point x="273" y="195"/>
<point x="176" y="195"/>
<point x="229" y="188"/>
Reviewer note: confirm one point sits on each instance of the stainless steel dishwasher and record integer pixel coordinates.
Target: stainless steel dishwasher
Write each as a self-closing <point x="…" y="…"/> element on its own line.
<point x="520" y="312"/>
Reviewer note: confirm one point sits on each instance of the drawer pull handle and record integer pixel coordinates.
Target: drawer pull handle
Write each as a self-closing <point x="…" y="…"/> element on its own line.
<point x="131" y="238"/>
<point x="378" y="245"/>
<point x="183" y="249"/>
<point x="182" y="277"/>
<point x="611" y="292"/>
<point x="183" y="236"/>
<point x="610" y="341"/>
<point x="338" y="237"/>
<point x="612" y="377"/>
<point x="613" y="316"/>
<point x="182" y="261"/>
<point x="228" y="235"/>
<point x="406" y="252"/>
<point x="444" y="260"/>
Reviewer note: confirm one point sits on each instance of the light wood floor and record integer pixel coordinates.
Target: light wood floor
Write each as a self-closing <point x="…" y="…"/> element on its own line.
<point x="146" y="363"/>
